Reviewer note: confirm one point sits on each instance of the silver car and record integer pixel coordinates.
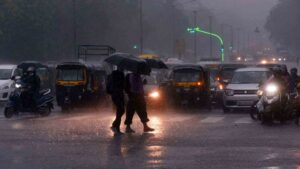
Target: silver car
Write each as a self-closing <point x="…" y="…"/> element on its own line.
<point x="241" y="92"/>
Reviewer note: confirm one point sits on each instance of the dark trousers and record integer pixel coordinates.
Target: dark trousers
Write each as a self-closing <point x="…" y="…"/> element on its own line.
<point x="119" y="102"/>
<point x="136" y="103"/>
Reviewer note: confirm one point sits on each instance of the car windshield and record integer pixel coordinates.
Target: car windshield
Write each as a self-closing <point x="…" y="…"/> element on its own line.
<point x="5" y="74"/>
<point x="249" y="77"/>
<point x="187" y="76"/>
<point x="70" y="74"/>
<point x="227" y="73"/>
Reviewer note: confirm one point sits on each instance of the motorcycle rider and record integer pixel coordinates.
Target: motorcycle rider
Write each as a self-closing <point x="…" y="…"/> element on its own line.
<point x="294" y="77"/>
<point x="32" y="80"/>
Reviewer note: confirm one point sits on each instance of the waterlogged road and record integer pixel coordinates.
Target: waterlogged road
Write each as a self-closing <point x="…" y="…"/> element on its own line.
<point x="183" y="140"/>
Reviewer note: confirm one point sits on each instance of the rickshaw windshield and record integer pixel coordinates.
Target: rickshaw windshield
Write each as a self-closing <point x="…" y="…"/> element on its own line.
<point x="187" y="75"/>
<point x="70" y="74"/>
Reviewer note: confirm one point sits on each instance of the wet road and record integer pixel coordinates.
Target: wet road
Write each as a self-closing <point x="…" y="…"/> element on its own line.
<point x="183" y="140"/>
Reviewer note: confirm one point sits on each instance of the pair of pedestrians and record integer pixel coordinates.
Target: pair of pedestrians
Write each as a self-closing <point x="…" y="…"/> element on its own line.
<point x="133" y="86"/>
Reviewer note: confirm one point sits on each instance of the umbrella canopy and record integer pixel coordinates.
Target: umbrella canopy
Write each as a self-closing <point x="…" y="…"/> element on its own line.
<point x="129" y="62"/>
<point x="156" y="64"/>
<point x="27" y="64"/>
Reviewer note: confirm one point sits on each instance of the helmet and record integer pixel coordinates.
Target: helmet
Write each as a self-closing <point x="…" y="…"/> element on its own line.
<point x="31" y="70"/>
<point x="294" y="71"/>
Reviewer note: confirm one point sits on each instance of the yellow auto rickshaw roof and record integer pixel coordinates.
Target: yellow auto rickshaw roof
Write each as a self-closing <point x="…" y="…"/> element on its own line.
<point x="148" y="56"/>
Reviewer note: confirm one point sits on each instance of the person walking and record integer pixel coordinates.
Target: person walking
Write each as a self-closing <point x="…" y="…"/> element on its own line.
<point x="115" y="87"/>
<point x="136" y="102"/>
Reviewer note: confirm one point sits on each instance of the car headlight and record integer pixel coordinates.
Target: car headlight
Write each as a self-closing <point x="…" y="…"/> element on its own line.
<point x="4" y="87"/>
<point x="271" y="89"/>
<point x="154" y="94"/>
<point x="260" y="92"/>
<point x="17" y="85"/>
<point x="229" y="92"/>
<point x="221" y="87"/>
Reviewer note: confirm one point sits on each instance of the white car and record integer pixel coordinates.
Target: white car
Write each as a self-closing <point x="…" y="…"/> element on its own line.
<point x="241" y="91"/>
<point x="6" y="84"/>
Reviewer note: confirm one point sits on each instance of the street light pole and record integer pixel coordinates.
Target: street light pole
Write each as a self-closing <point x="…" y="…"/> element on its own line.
<point x="238" y="41"/>
<point x="141" y="28"/>
<point x="210" y="39"/>
<point x="74" y="29"/>
<point x="195" y="35"/>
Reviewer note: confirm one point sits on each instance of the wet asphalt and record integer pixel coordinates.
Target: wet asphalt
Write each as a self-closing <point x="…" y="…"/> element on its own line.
<point x="183" y="139"/>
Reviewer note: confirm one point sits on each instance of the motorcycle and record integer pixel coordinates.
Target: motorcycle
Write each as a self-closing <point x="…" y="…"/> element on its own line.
<point x="21" y="102"/>
<point x="274" y="105"/>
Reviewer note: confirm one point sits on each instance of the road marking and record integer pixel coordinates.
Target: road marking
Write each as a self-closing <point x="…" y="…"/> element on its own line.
<point x="178" y="119"/>
<point x="212" y="119"/>
<point x="244" y="120"/>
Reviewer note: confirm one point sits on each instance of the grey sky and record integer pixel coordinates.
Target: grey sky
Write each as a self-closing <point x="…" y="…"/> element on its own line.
<point x="242" y="13"/>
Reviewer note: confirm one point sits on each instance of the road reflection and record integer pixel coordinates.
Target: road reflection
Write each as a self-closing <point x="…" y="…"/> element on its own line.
<point x="135" y="151"/>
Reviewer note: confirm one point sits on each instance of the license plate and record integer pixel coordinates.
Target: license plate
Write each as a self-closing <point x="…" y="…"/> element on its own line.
<point x="245" y="103"/>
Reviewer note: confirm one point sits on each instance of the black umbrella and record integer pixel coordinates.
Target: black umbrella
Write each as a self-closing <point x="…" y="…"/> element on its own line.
<point x="129" y="62"/>
<point x="156" y="64"/>
<point x="25" y="65"/>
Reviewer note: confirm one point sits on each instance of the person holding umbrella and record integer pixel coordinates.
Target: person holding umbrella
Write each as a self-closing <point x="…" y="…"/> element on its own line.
<point x="136" y="102"/>
<point x="134" y="88"/>
<point x="115" y="87"/>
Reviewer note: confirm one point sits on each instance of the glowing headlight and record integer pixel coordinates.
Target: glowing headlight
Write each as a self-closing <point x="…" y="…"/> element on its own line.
<point x="272" y="88"/>
<point x="221" y="87"/>
<point x="18" y="85"/>
<point x="154" y="94"/>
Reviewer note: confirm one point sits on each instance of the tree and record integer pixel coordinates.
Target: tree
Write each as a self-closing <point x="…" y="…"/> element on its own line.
<point x="283" y="25"/>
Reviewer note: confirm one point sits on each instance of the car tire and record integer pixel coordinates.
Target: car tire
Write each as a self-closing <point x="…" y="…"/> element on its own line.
<point x="8" y="112"/>
<point x="225" y="109"/>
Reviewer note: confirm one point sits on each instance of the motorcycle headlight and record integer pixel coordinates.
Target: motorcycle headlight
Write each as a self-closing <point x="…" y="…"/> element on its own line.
<point x="154" y="94"/>
<point x="229" y="92"/>
<point x="271" y="89"/>
<point x="18" y="85"/>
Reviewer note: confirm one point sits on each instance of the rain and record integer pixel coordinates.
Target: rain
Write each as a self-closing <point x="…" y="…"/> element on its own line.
<point x="149" y="84"/>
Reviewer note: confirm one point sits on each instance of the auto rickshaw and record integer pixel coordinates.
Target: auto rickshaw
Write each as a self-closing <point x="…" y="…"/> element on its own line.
<point x="79" y="84"/>
<point x="188" y="84"/>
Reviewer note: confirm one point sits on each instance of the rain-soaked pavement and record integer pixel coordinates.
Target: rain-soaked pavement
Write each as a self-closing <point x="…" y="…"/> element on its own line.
<point x="182" y="140"/>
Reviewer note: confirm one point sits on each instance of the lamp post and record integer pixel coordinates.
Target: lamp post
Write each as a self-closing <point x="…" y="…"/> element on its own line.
<point x="195" y="35"/>
<point x="141" y="28"/>
<point x="74" y="28"/>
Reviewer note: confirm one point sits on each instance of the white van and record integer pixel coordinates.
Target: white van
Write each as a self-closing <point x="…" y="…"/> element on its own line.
<point x="6" y="84"/>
